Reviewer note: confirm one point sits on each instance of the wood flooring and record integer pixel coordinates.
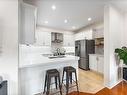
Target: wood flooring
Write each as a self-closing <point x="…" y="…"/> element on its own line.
<point x="120" y="89"/>
<point x="90" y="82"/>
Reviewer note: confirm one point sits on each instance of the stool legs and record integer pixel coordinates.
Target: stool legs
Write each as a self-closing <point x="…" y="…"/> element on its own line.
<point x="48" y="85"/>
<point x="71" y="78"/>
<point x="63" y="77"/>
<point x="56" y="81"/>
<point x="76" y="81"/>
<point x="45" y="83"/>
<point x="59" y="85"/>
<point x="67" y="83"/>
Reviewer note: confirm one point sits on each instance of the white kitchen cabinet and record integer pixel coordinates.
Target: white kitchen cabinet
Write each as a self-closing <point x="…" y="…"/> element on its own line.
<point x="28" y="24"/>
<point x="98" y="33"/>
<point x="43" y="38"/>
<point x="96" y="63"/>
<point x="100" y="64"/>
<point x="87" y="34"/>
<point x="93" y="63"/>
<point x="68" y="40"/>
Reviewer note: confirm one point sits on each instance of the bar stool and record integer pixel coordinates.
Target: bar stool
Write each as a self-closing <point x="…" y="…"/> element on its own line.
<point x="69" y="70"/>
<point x="50" y="74"/>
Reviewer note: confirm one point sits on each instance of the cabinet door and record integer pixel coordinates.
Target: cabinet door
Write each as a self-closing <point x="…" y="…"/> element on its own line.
<point x="79" y="36"/>
<point x="68" y="40"/>
<point x="98" y="33"/>
<point x="93" y="62"/>
<point x="40" y="41"/>
<point x="43" y="38"/>
<point x="28" y="24"/>
<point x="47" y="39"/>
<point x="100" y="65"/>
<point x="86" y="34"/>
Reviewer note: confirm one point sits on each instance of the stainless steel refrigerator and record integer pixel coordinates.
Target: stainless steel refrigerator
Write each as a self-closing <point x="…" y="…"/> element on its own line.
<point x="82" y="49"/>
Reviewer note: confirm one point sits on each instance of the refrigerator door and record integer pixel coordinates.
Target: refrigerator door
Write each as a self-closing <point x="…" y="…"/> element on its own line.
<point x="82" y="48"/>
<point x="90" y="47"/>
<point x="77" y="48"/>
<point x="84" y="64"/>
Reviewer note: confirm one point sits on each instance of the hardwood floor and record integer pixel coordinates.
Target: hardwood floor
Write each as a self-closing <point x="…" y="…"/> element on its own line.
<point x="90" y="81"/>
<point x="120" y="89"/>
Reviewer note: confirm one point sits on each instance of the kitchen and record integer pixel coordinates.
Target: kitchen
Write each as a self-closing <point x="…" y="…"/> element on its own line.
<point x="42" y="48"/>
<point x="25" y="56"/>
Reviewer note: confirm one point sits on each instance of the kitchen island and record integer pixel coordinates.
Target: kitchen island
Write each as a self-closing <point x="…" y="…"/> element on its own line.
<point x="32" y="71"/>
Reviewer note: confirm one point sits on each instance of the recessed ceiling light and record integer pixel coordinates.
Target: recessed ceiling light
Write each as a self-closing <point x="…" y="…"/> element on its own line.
<point x="46" y="22"/>
<point x="65" y="21"/>
<point x="73" y="27"/>
<point x="53" y="7"/>
<point x="89" y="19"/>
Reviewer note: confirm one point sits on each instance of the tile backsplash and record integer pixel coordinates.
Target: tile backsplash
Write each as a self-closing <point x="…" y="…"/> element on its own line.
<point x="25" y="50"/>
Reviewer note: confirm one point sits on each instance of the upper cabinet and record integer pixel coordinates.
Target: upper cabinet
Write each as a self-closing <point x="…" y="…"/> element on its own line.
<point x="90" y="34"/>
<point x="28" y="24"/>
<point x="43" y="38"/>
<point x="68" y="40"/>
<point x="98" y="33"/>
<point x="87" y="34"/>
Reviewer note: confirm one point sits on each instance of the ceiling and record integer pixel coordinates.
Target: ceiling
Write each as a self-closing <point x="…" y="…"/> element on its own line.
<point x="121" y="4"/>
<point x="76" y="12"/>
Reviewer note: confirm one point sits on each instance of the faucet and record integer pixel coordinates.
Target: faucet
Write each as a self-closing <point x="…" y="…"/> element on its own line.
<point x="58" y="51"/>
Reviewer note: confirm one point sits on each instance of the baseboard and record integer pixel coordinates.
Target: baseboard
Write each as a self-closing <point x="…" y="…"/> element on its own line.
<point x="125" y="80"/>
<point x="115" y="84"/>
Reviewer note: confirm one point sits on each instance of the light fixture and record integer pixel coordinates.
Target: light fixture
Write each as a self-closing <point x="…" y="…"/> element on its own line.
<point x="89" y="19"/>
<point x="65" y="21"/>
<point x="53" y="7"/>
<point x="46" y="22"/>
<point x="73" y="27"/>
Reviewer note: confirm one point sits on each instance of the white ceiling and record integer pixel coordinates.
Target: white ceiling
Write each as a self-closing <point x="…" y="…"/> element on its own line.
<point x="121" y="4"/>
<point x="76" y="12"/>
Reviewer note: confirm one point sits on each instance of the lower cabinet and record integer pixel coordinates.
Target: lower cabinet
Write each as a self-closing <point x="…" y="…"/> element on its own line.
<point x="96" y="63"/>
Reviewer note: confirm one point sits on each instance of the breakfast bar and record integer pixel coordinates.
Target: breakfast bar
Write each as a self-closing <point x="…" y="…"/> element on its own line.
<point x="33" y="68"/>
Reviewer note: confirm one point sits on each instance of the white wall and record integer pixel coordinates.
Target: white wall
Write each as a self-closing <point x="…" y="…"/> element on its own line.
<point x="113" y="28"/>
<point x="124" y="40"/>
<point x="9" y="57"/>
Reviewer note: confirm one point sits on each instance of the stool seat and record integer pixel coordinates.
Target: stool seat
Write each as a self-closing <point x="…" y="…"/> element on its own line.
<point x="69" y="69"/>
<point x="52" y="72"/>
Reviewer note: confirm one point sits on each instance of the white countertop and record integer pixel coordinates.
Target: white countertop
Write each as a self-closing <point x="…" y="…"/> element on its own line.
<point x="100" y="55"/>
<point x="38" y="59"/>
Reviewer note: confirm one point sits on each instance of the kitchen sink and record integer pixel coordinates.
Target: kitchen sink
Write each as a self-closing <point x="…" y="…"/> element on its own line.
<point x="59" y="56"/>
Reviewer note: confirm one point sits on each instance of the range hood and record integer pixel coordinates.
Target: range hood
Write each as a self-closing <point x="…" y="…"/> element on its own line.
<point x="57" y="37"/>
